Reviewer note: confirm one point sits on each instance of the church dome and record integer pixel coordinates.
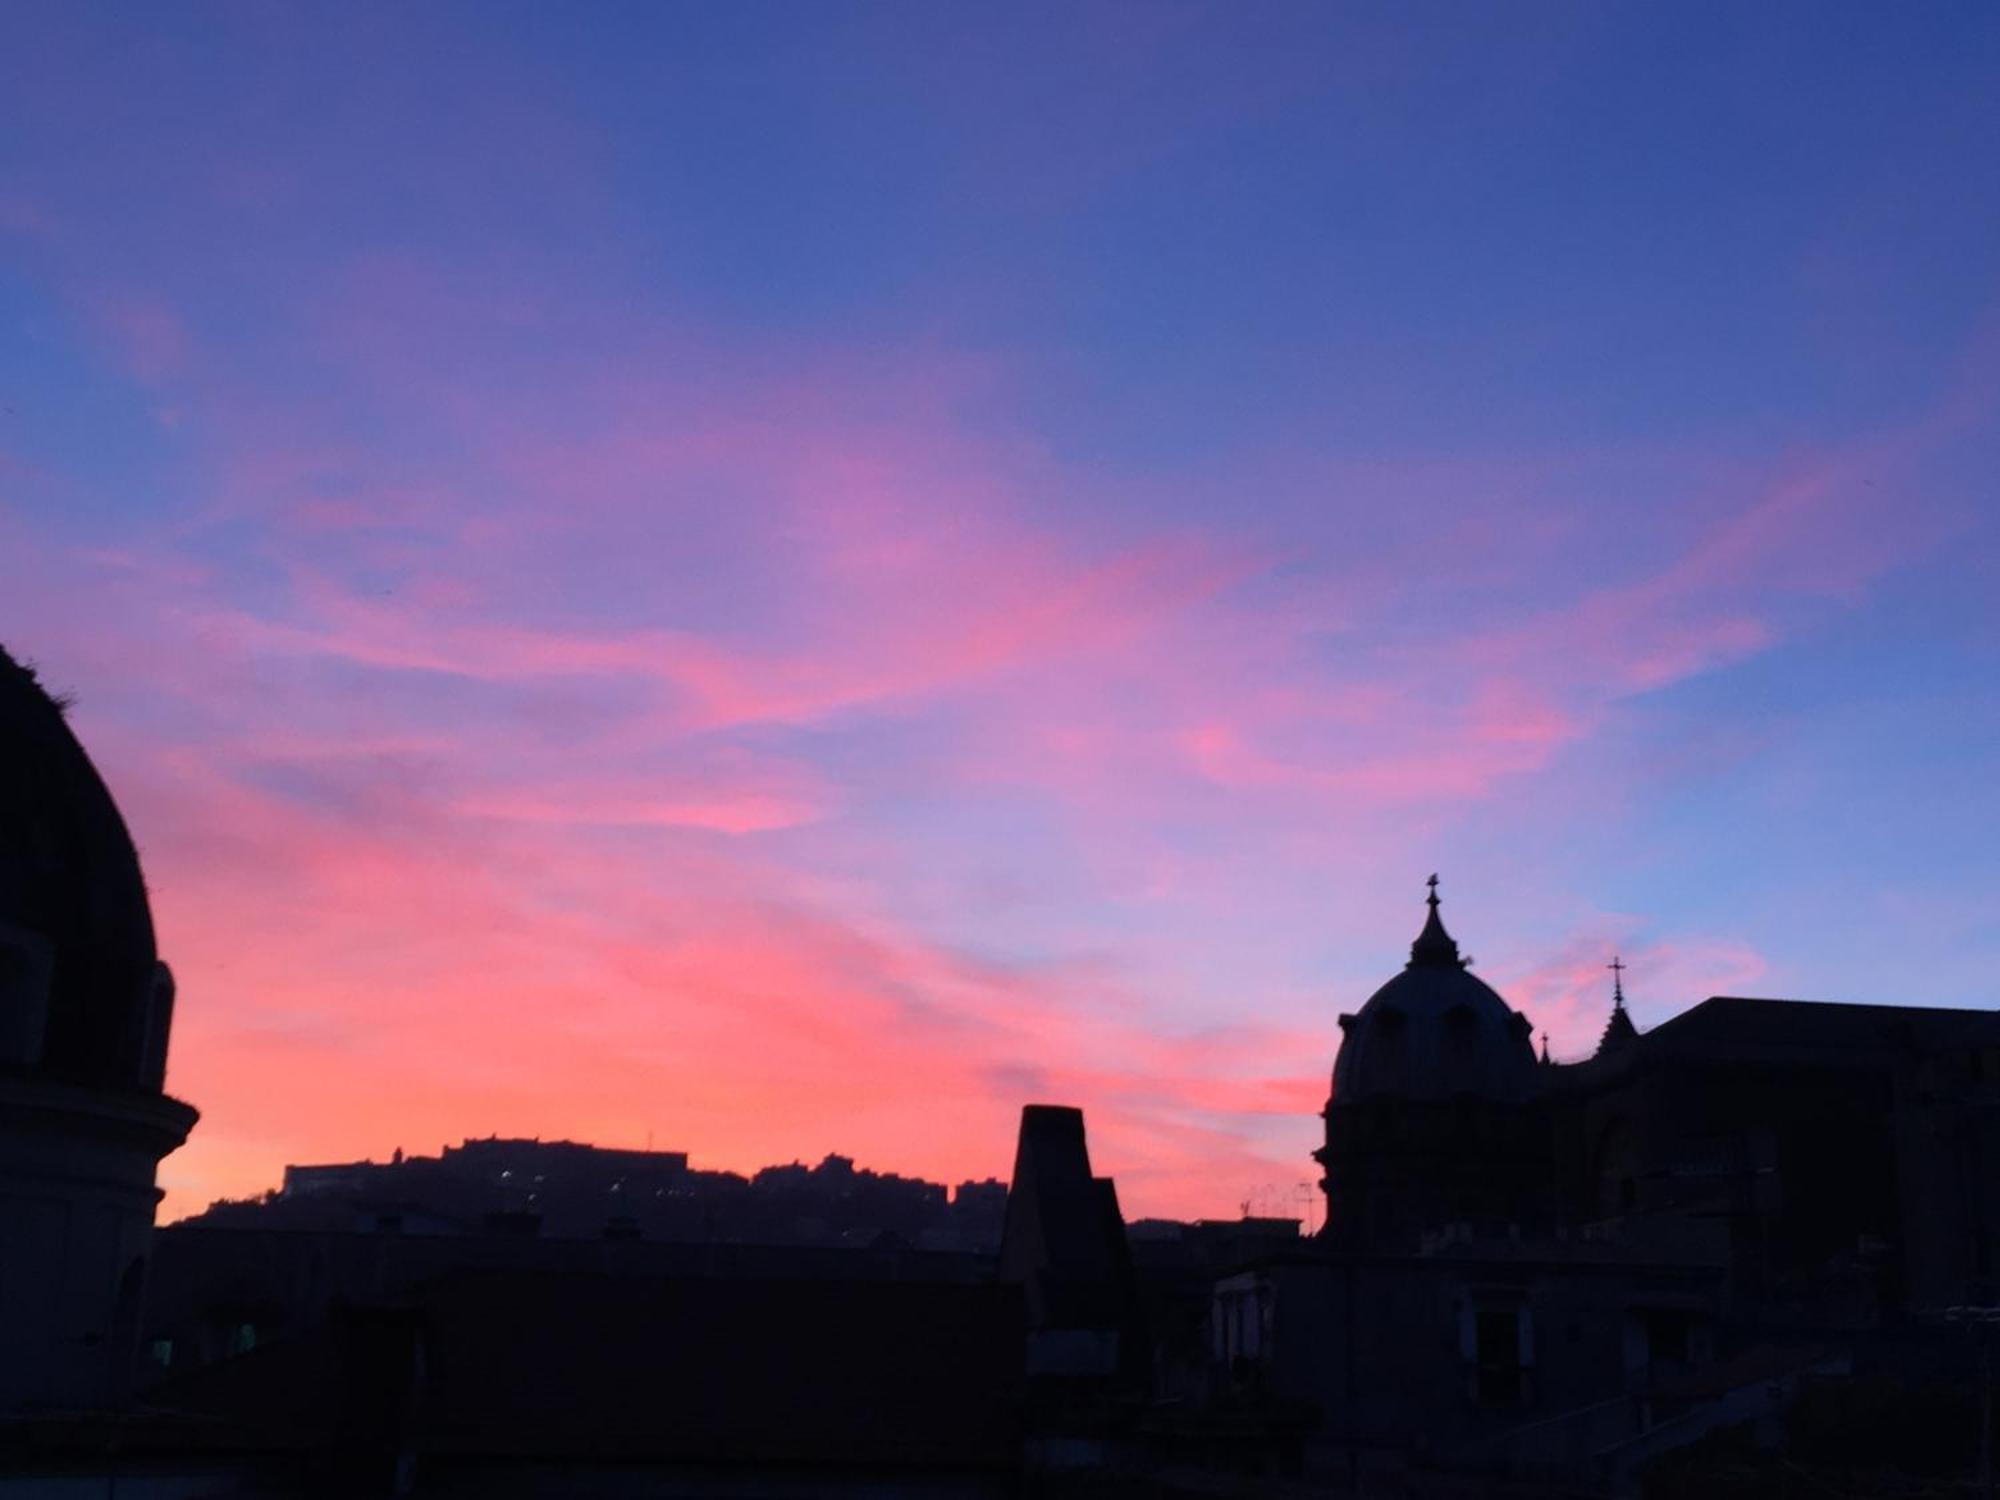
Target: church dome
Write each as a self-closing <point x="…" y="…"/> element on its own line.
<point x="1435" y="1031"/>
<point x="83" y="996"/>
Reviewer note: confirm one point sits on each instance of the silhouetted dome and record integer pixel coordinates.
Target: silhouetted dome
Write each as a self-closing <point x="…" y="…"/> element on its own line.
<point x="1434" y="1031"/>
<point x="85" y="991"/>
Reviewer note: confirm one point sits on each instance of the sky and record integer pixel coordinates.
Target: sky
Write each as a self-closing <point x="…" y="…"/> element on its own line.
<point x="790" y="578"/>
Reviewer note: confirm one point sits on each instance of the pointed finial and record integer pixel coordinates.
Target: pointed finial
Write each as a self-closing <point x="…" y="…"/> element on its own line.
<point x="1434" y="945"/>
<point x="1618" y="1030"/>
<point x="1545" y="1047"/>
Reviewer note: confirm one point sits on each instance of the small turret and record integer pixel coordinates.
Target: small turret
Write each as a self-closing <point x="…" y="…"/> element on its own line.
<point x="1619" y="1030"/>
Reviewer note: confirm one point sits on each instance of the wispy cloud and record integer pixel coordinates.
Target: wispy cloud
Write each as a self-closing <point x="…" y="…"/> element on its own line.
<point x="576" y="665"/>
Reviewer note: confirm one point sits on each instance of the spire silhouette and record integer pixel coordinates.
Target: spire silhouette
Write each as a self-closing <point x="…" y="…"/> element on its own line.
<point x="1618" y="1030"/>
<point x="1434" y="947"/>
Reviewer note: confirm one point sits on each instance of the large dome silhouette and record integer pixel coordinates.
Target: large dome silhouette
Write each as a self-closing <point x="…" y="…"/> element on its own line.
<point x="1435" y="1031"/>
<point x="84" y="989"/>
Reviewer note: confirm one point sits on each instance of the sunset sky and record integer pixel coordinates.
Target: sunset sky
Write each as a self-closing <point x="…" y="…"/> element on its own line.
<point x="792" y="578"/>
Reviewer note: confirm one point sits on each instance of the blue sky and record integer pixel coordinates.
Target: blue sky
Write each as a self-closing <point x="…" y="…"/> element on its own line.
<point x="740" y="571"/>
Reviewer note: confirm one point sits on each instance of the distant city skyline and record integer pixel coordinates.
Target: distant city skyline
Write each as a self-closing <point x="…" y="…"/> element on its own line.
<point x="794" y="579"/>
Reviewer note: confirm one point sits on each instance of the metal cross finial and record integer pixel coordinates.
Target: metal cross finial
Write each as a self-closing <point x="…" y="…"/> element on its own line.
<point x="1617" y="966"/>
<point x="1433" y="884"/>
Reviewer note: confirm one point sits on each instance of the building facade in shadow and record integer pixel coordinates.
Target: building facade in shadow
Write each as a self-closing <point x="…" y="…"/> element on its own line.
<point x="85" y="1006"/>
<point x="1544" y="1273"/>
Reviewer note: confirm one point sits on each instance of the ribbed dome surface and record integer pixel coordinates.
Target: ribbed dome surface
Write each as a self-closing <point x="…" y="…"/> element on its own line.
<point x="72" y="901"/>
<point x="1434" y="1031"/>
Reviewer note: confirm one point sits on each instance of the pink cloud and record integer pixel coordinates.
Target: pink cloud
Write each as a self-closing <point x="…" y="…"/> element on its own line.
<point x="374" y="960"/>
<point x="507" y="790"/>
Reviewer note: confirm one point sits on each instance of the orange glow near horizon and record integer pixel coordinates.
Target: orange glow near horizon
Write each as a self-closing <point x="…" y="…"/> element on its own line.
<point x="795" y="589"/>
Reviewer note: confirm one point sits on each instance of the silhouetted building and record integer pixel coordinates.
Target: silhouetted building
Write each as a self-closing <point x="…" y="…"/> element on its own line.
<point x="217" y="1292"/>
<point x="85" y="1006"/>
<point x="1065" y="1244"/>
<point x="1548" y="1273"/>
<point x="1433" y="1118"/>
<point x="1843" y="1159"/>
<point x="617" y="1383"/>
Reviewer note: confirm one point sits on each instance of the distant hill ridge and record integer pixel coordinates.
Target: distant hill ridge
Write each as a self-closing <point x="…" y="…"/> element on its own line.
<point x="569" y="1189"/>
